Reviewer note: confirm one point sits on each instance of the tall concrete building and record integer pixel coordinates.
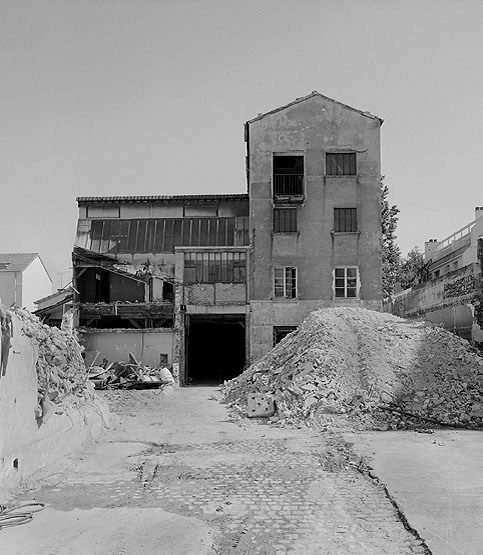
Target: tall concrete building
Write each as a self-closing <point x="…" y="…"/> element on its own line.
<point x="208" y="283"/>
<point x="314" y="175"/>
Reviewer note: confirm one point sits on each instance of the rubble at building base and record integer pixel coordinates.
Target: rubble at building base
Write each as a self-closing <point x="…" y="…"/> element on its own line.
<point x="362" y="369"/>
<point x="61" y="373"/>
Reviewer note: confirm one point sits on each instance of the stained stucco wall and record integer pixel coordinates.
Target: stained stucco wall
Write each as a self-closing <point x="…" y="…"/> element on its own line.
<point x="314" y="127"/>
<point x="115" y="344"/>
<point x="10" y="287"/>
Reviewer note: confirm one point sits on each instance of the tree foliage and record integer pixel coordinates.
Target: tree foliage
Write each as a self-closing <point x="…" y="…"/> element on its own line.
<point x="414" y="269"/>
<point x="391" y="254"/>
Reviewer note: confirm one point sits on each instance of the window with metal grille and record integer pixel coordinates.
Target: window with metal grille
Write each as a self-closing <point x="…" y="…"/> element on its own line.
<point x="340" y="163"/>
<point x="345" y="282"/>
<point x="285" y="283"/>
<point x="288" y="175"/>
<point x="345" y="219"/>
<point x="215" y="267"/>
<point x="284" y="220"/>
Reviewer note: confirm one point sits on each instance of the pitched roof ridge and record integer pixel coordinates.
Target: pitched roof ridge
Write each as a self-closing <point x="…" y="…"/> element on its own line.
<point x="314" y="94"/>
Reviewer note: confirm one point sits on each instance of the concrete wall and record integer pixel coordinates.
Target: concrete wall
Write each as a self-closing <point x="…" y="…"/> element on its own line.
<point x="116" y="344"/>
<point x="25" y="447"/>
<point x="449" y="300"/>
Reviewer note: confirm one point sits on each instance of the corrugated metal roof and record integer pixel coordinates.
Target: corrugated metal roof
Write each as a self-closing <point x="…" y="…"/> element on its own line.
<point x="312" y="94"/>
<point x="162" y="198"/>
<point x="16" y="261"/>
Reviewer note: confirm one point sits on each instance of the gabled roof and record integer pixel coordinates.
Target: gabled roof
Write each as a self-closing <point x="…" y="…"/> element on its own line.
<point x="19" y="261"/>
<point x="311" y="95"/>
<point x="163" y="198"/>
<point x="16" y="261"/>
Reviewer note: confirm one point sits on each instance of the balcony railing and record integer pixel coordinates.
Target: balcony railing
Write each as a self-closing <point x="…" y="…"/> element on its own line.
<point x="463" y="232"/>
<point x="291" y="185"/>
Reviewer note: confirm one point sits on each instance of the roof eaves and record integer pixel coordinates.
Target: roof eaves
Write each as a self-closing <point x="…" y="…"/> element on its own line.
<point x="162" y="198"/>
<point x="312" y="94"/>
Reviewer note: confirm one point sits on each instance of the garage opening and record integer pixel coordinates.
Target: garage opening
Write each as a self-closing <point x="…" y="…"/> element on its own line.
<point x="215" y="348"/>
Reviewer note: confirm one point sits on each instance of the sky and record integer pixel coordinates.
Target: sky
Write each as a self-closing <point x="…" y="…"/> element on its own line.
<point x="149" y="97"/>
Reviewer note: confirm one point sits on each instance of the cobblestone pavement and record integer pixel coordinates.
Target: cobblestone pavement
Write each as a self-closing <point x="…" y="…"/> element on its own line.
<point x="262" y="493"/>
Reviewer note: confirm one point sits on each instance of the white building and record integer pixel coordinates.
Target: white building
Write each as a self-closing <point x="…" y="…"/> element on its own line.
<point x="23" y="279"/>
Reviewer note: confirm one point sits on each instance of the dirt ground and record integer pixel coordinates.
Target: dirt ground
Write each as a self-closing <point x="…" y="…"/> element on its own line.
<point x="175" y="475"/>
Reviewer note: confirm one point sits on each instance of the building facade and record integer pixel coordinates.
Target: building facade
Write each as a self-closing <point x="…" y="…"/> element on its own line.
<point x="208" y="283"/>
<point x="452" y="296"/>
<point x="23" y="279"/>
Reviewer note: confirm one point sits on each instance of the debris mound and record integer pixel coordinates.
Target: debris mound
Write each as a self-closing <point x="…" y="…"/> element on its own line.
<point x="361" y="369"/>
<point x="61" y="372"/>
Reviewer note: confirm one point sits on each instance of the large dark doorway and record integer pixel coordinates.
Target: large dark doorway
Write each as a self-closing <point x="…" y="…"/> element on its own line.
<point x="215" y="348"/>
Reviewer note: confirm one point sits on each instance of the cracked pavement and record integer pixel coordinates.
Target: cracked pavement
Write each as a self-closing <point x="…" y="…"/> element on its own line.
<point x="175" y="475"/>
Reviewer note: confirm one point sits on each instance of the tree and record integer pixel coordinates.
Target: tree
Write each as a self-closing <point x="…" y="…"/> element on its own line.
<point x="414" y="269"/>
<point x="391" y="254"/>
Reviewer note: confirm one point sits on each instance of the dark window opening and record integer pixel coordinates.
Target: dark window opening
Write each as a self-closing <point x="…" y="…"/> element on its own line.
<point x="345" y="219"/>
<point x="97" y="285"/>
<point x="288" y="175"/>
<point x="285" y="283"/>
<point x="341" y="163"/>
<point x="118" y="322"/>
<point x="280" y="332"/>
<point x="284" y="220"/>
<point x="168" y="291"/>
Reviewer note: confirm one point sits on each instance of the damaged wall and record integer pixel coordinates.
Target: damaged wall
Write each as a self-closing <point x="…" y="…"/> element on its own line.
<point x="452" y="300"/>
<point x="146" y="345"/>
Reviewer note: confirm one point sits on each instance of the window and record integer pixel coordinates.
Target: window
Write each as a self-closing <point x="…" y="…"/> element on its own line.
<point x="346" y="282"/>
<point x="288" y="175"/>
<point x="284" y="220"/>
<point x="345" y="219"/>
<point x="340" y="163"/>
<point x="215" y="267"/>
<point x="285" y="283"/>
<point x="279" y="332"/>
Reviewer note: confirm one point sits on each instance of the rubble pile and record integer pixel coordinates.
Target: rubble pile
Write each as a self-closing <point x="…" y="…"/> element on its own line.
<point x="61" y="372"/>
<point x="363" y="369"/>
<point x="129" y="375"/>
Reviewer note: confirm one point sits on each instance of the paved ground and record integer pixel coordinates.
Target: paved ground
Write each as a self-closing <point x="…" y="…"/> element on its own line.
<point x="437" y="480"/>
<point x="176" y="476"/>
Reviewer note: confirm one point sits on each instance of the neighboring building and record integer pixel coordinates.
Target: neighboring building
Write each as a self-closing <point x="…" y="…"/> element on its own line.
<point x="452" y="296"/>
<point x="23" y="279"/>
<point x="210" y="282"/>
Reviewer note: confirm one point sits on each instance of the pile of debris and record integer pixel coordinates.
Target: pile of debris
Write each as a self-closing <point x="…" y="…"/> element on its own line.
<point x="363" y="369"/>
<point x="129" y="375"/>
<point x="61" y="372"/>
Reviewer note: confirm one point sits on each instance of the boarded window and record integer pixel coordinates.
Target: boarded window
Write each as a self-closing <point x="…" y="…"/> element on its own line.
<point x="341" y="163"/>
<point x="345" y="282"/>
<point x="285" y="282"/>
<point x="284" y="220"/>
<point x="345" y="219"/>
<point x="215" y="267"/>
